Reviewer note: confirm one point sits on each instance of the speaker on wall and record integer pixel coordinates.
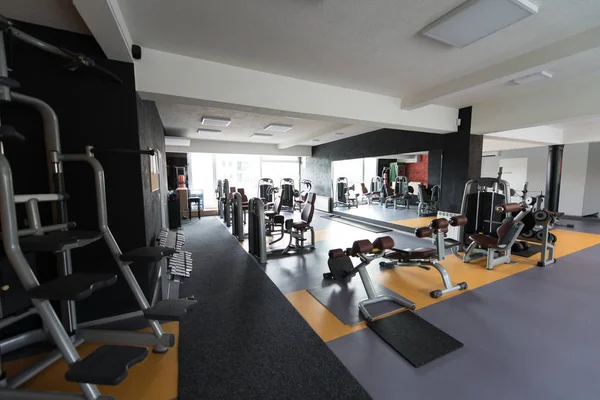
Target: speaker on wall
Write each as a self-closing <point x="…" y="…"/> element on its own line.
<point x="136" y="52"/>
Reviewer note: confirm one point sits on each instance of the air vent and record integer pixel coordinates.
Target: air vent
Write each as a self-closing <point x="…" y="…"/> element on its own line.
<point x="216" y="121"/>
<point x="532" y="78"/>
<point x="212" y="132"/>
<point x="177" y="141"/>
<point x="262" y="135"/>
<point x="279" y="128"/>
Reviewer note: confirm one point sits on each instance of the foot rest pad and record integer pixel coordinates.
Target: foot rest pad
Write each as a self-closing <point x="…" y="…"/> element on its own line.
<point x="147" y="254"/>
<point x="72" y="287"/>
<point x="107" y="365"/>
<point x="58" y="241"/>
<point x="170" y="310"/>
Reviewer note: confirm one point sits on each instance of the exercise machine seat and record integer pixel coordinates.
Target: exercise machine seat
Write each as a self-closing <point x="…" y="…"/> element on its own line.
<point x="492" y="242"/>
<point x="307" y="213"/>
<point x="412" y="254"/>
<point x="278" y="203"/>
<point x="484" y="240"/>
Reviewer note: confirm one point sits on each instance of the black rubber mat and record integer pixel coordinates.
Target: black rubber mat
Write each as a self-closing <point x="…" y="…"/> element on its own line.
<point x="357" y="224"/>
<point x="342" y="300"/>
<point x="415" y="339"/>
<point x="531" y="251"/>
<point x="245" y="340"/>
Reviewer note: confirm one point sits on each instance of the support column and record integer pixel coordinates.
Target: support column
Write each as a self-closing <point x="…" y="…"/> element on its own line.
<point x="553" y="176"/>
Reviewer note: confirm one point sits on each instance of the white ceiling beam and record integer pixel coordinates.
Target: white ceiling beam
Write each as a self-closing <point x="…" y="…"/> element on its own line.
<point x="299" y="139"/>
<point x="535" y="134"/>
<point x="106" y="22"/>
<point x="225" y="147"/>
<point x="161" y="75"/>
<point x="505" y="71"/>
<point x="564" y="100"/>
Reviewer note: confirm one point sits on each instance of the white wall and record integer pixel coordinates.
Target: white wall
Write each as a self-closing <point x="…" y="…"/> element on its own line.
<point x="221" y="147"/>
<point x="580" y="183"/>
<point x="591" y="198"/>
<point x="537" y="161"/>
<point x="572" y="187"/>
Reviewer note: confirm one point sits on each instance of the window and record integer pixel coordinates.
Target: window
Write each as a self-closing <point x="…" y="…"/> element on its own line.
<point x="281" y="167"/>
<point x="201" y="176"/>
<point x="242" y="171"/>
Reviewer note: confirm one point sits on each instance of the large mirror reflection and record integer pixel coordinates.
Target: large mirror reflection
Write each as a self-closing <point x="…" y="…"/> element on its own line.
<point x="388" y="188"/>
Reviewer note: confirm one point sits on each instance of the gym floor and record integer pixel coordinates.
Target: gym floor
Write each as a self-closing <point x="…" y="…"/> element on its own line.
<point x="522" y="337"/>
<point x="528" y="332"/>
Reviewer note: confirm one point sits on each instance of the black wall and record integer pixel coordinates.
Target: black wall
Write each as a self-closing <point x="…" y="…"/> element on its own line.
<point x="461" y="156"/>
<point x="434" y="168"/>
<point x="92" y="110"/>
<point x="152" y="136"/>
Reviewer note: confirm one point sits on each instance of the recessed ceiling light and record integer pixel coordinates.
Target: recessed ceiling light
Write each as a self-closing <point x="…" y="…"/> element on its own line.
<point x="339" y="134"/>
<point x="476" y="19"/>
<point x="176" y="141"/>
<point x="316" y="140"/>
<point x="205" y="131"/>
<point x="262" y="134"/>
<point x="280" y="128"/>
<point x="216" y="121"/>
<point x="531" y="78"/>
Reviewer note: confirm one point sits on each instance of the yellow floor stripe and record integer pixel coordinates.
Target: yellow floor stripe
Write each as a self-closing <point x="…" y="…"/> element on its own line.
<point x="327" y="326"/>
<point x="416" y="283"/>
<point x="414" y="222"/>
<point x="155" y="378"/>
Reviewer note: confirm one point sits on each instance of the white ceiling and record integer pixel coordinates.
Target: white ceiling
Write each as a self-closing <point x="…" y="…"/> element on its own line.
<point x="184" y="121"/>
<point x="582" y="64"/>
<point x="367" y="45"/>
<point x="60" y="14"/>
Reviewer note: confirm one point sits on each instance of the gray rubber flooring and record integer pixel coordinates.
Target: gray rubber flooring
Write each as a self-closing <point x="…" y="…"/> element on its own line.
<point x="533" y="335"/>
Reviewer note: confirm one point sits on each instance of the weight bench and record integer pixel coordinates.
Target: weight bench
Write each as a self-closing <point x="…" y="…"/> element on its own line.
<point x="425" y="257"/>
<point x="497" y="249"/>
<point x="342" y="269"/>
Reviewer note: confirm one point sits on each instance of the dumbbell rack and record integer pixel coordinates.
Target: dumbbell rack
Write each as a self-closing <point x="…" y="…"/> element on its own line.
<point x="179" y="266"/>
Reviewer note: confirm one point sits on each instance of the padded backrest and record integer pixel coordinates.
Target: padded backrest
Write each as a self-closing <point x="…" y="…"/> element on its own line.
<point x="364" y="188"/>
<point x="508" y="232"/>
<point x="307" y="212"/>
<point x="277" y="204"/>
<point x="311" y="197"/>
<point x="241" y="191"/>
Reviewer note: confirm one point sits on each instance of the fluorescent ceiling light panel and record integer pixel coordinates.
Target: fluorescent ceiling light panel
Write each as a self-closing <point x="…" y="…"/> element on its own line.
<point x="476" y="19"/>
<point x="280" y="128"/>
<point x="216" y="121"/>
<point x="339" y="134"/>
<point x="262" y="134"/>
<point x="177" y="141"/>
<point x="212" y="132"/>
<point x="531" y="78"/>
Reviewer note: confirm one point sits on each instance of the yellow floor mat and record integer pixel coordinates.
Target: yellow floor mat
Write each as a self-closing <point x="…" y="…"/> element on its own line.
<point x="155" y="378"/>
<point x="414" y="222"/>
